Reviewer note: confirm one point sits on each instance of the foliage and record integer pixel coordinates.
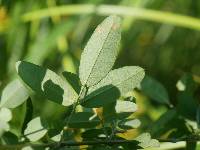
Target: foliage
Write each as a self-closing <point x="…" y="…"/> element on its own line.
<point x="99" y="88"/>
<point x="97" y="99"/>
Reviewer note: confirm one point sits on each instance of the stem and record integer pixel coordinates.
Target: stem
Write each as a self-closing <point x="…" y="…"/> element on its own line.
<point x="91" y="142"/>
<point x="137" y="13"/>
<point x="68" y="143"/>
<point x="185" y="139"/>
<point x="72" y="112"/>
<point x="77" y="102"/>
<point x="113" y="126"/>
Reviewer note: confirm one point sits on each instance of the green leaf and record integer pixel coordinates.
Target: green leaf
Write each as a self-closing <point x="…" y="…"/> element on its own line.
<point x="95" y="133"/>
<point x="83" y="120"/>
<point x="47" y="83"/>
<point x="125" y="106"/>
<point x="5" y="117"/>
<point x="191" y="145"/>
<point x="9" y="138"/>
<point x="118" y="82"/>
<point x="146" y="141"/>
<point x="129" y="123"/>
<point x="73" y="80"/>
<point x="198" y="116"/>
<point x="101" y="51"/>
<point x="35" y="129"/>
<point x="187" y="105"/>
<point x="13" y="95"/>
<point x="162" y="124"/>
<point x="5" y="114"/>
<point x="155" y="90"/>
<point x="4" y="126"/>
<point x="16" y="124"/>
<point x="187" y="83"/>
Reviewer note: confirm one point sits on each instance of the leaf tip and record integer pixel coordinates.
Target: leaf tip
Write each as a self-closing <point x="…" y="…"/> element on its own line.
<point x="116" y="22"/>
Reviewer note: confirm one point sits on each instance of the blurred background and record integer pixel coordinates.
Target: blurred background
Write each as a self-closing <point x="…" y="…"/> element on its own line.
<point x="53" y="33"/>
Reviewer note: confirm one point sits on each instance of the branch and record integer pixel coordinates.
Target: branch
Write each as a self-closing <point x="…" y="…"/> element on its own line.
<point x="94" y="142"/>
<point x="69" y="143"/>
<point x="192" y="138"/>
<point x="138" y="13"/>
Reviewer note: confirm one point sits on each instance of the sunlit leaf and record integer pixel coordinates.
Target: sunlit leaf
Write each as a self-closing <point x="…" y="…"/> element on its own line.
<point x="100" y="52"/>
<point x="118" y="82"/>
<point x="47" y="83"/>
<point x="35" y="129"/>
<point x="125" y="106"/>
<point x="5" y="117"/>
<point x="129" y="123"/>
<point x="146" y="141"/>
<point x="13" y="95"/>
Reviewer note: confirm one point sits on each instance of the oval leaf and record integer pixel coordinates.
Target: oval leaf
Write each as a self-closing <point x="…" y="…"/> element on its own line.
<point x="35" y="130"/>
<point x="13" y="95"/>
<point x="100" y="52"/>
<point x="117" y="82"/>
<point x="47" y="83"/>
<point x="155" y="90"/>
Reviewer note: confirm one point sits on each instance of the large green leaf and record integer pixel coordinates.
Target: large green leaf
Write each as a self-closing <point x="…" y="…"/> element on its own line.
<point x="117" y="82"/>
<point x="83" y="120"/>
<point x="155" y="90"/>
<point x="35" y="129"/>
<point x="47" y="83"/>
<point x="13" y="95"/>
<point x="100" y="52"/>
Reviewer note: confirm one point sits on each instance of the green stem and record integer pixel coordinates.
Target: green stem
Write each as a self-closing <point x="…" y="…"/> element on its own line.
<point x="67" y="143"/>
<point x="73" y="111"/>
<point x="137" y="13"/>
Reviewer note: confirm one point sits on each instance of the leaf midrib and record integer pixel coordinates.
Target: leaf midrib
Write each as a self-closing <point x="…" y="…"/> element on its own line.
<point x="99" y="54"/>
